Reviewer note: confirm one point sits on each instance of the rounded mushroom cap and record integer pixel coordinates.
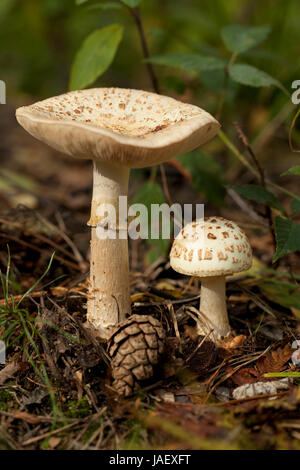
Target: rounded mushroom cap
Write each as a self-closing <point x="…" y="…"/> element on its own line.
<point x="132" y="127"/>
<point x="211" y="247"/>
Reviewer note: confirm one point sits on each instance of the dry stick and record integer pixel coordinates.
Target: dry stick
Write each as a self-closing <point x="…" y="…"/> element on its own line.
<point x="135" y="12"/>
<point x="262" y="179"/>
<point x="165" y="184"/>
<point x="246" y="207"/>
<point x="291" y="133"/>
<point x="48" y="434"/>
<point x="271" y="128"/>
<point x="229" y="374"/>
<point x="76" y="252"/>
<point x="39" y="237"/>
<point x="245" y="162"/>
<point x="40" y="250"/>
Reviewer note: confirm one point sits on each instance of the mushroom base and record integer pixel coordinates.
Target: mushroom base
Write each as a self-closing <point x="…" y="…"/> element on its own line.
<point x="109" y="293"/>
<point x="213" y="310"/>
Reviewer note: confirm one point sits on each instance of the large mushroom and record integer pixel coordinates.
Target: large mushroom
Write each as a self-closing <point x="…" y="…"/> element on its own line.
<point x="118" y="129"/>
<point x="211" y="249"/>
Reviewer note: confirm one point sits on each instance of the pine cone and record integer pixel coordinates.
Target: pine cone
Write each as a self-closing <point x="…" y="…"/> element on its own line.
<point x="134" y="348"/>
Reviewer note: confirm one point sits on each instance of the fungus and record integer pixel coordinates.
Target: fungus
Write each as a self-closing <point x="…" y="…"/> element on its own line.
<point x="118" y="129"/>
<point x="216" y="248"/>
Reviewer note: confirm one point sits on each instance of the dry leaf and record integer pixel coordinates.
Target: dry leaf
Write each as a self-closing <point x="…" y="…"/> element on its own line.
<point x="28" y="417"/>
<point x="274" y="361"/>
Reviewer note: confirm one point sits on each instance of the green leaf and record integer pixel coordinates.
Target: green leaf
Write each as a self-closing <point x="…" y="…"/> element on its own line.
<point x="188" y="62"/>
<point x="295" y="170"/>
<point x="287" y="237"/>
<point x="95" y="56"/>
<point x="295" y="206"/>
<point x="80" y="2"/>
<point x="174" y="83"/>
<point x="207" y="175"/>
<point x="258" y="194"/>
<point x="151" y="193"/>
<point x="251" y="76"/>
<point x="105" y="6"/>
<point x="132" y="3"/>
<point x="239" y="38"/>
<point x="283" y="293"/>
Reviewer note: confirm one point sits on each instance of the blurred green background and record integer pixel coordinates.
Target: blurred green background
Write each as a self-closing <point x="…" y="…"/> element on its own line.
<point x="39" y="40"/>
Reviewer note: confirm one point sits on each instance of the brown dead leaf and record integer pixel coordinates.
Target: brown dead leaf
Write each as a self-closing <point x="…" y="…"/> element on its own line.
<point x="28" y="417"/>
<point x="236" y="342"/>
<point x="9" y="371"/>
<point x="53" y="442"/>
<point x="273" y="361"/>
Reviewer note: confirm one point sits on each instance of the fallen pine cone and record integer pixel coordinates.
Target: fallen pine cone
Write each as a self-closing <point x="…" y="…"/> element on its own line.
<point x="135" y="348"/>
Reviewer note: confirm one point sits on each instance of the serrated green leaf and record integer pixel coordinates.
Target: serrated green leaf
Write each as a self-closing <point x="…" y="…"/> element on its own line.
<point x="207" y="175"/>
<point x="132" y="3"/>
<point x="95" y="56"/>
<point x="251" y="76"/>
<point x="258" y="194"/>
<point x="295" y="206"/>
<point x="287" y="236"/>
<point x="188" y="62"/>
<point x="295" y="170"/>
<point x="239" y="38"/>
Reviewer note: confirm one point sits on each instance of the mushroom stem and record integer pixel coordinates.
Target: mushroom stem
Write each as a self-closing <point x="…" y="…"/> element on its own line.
<point x="109" y="291"/>
<point x="213" y="308"/>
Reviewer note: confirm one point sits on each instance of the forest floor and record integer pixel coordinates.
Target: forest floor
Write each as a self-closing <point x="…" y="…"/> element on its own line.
<point x="55" y="386"/>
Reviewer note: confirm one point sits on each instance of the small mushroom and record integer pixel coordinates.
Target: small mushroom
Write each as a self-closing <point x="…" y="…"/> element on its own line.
<point x="118" y="129"/>
<point x="211" y="249"/>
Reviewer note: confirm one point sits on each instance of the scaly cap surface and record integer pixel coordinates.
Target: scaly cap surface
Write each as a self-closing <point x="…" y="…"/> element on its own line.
<point x="211" y="247"/>
<point x="130" y="127"/>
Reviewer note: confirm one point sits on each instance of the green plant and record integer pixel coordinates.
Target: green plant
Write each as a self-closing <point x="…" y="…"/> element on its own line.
<point x="18" y="326"/>
<point x="222" y="70"/>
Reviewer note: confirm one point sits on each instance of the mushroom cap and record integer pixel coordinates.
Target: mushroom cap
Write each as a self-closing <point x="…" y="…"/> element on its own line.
<point x="132" y="127"/>
<point x="211" y="247"/>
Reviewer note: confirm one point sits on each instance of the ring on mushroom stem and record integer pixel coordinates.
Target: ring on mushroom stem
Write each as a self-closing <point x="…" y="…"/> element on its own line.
<point x="118" y="129"/>
<point x="211" y="249"/>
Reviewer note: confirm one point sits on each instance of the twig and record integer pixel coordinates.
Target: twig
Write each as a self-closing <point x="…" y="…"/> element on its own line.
<point x="48" y="434"/>
<point x="40" y="250"/>
<point x="135" y="12"/>
<point x="245" y="162"/>
<point x="172" y="313"/>
<point x="262" y="179"/>
<point x="246" y="207"/>
<point x="165" y="184"/>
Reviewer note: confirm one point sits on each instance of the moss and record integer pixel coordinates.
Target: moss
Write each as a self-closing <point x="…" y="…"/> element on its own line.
<point x="5" y="397"/>
<point x="77" y="409"/>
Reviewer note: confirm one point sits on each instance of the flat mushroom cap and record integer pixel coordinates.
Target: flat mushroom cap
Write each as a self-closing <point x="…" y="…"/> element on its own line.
<point x="211" y="247"/>
<point x="132" y="127"/>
